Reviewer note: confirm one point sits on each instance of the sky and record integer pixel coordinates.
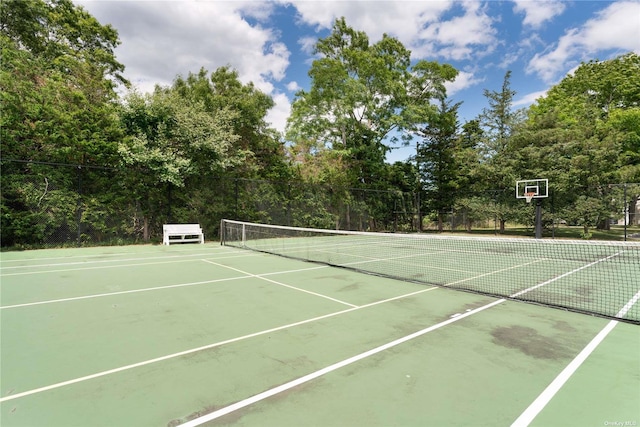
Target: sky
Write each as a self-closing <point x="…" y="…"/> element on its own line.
<point x="270" y="43"/>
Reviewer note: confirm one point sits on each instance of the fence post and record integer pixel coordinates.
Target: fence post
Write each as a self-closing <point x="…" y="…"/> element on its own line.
<point x="419" y="211"/>
<point x="169" y="201"/>
<point x="288" y="208"/>
<point x="626" y="212"/>
<point x="236" y="196"/>
<point x="79" y="206"/>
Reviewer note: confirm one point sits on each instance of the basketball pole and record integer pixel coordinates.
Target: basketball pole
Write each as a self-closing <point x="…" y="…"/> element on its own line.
<point x="538" y="219"/>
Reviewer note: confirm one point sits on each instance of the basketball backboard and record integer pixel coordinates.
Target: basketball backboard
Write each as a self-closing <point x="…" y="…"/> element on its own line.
<point x="532" y="189"/>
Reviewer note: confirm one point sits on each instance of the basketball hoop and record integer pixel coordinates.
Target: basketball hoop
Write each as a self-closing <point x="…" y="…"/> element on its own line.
<point x="528" y="196"/>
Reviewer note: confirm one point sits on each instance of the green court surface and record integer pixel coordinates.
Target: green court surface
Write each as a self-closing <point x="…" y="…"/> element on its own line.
<point x="215" y="335"/>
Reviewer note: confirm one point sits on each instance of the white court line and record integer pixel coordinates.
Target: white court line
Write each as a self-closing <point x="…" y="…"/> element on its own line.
<point x="246" y="275"/>
<point x="336" y="249"/>
<point x="117" y="266"/>
<point x="100" y="255"/>
<point x="103" y="261"/>
<point x="205" y="347"/>
<point x="186" y="352"/>
<point x="428" y="267"/>
<point x="513" y="267"/>
<point x="545" y="397"/>
<point x="108" y="294"/>
<point x="331" y="247"/>
<point x="281" y="284"/>
<point x="276" y="390"/>
<point x="271" y="392"/>
<point x="156" y="288"/>
<point x="566" y="274"/>
<point x="370" y="259"/>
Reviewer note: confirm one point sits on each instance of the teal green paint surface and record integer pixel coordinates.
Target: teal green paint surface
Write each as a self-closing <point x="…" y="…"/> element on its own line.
<point x="605" y="390"/>
<point x="481" y="370"/>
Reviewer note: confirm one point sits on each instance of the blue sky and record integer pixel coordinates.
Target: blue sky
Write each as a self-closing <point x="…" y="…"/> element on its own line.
<point x="270" y="42"/>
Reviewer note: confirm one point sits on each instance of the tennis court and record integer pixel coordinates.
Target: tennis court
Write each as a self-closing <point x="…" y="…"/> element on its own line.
<point x="221" y="335"/>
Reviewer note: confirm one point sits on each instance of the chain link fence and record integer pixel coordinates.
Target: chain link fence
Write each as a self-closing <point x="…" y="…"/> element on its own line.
<point x="47" y="205"/>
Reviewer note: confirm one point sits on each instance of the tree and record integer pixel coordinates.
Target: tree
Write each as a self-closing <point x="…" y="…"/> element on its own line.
<point x="498" y="123"/>
<point x="62" y="33"/>
<point x="362" y="96"/>
<point x="404" y="180"/>
<point x="436" y="159"/>
<point x="172" y="141"/>
<point x="57" y="78"/>
<point x="498" y="120"/>
<point x="260" y="181"/>
<point x="222" y="89"/>
<point x="583" y="136"/>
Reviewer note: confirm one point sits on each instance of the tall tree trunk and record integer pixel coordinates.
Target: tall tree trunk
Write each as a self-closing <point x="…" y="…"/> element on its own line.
<point x="145" y="229"/>
<point x="348" y="216"/>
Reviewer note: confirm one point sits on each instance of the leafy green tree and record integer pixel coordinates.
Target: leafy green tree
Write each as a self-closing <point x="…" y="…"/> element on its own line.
<point x="261" y="146"/>
<point x="403" y="178"/>
<point x="498" y="120"/>
<point x="63" y="33"/>
<point x="436" y="159"/>
<point x="57" y="78"/>
<point x="495" y="173"/>
<point x="361" y="94"/>
<point x="222" y="89"/>
<point x="173" y="141"/>
<point x="364" y="97"/>
<point x="623" y="125"/>
<point x="583" y="136"/>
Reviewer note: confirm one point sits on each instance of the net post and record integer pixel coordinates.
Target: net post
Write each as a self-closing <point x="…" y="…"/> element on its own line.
<point x="222" y="232"/>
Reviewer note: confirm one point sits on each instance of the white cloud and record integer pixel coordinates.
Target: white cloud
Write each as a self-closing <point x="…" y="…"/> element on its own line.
<point x="402" y="19"/>
<point x="508" y="59"/>
<point x="529" y="98"/>
<point x="293" y="86"/>
<point x="163" y="39"/>
<point x="462" y="36"/>
<point x="417" y="24"/>
<point x="307" y="44"/>
<point x="463" y="81"/>
<point x="278" y="115"/>
<point x="538" y="12"/>
<point x="616" y="27"/>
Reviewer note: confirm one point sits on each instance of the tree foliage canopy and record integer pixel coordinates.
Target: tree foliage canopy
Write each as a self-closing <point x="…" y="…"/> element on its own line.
<point x="202" y="147"/>
<point x="362" y="95"/>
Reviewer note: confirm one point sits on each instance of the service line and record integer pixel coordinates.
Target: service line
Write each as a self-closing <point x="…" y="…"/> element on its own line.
<point x="458" y="316"/>
<point x="258" y="276"/>
<point x="155" y="288"/>
<point x="205" y="347"/>
<point x="284" y="387"/>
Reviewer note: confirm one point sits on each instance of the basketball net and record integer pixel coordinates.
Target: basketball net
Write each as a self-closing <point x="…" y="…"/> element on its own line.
<point x="529" y="196"/>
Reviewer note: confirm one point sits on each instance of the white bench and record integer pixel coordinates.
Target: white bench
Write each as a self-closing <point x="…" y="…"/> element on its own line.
<point x="182" y="233"/>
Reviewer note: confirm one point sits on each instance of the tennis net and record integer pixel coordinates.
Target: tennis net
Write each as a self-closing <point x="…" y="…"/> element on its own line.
<point x="600" y="278"/>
